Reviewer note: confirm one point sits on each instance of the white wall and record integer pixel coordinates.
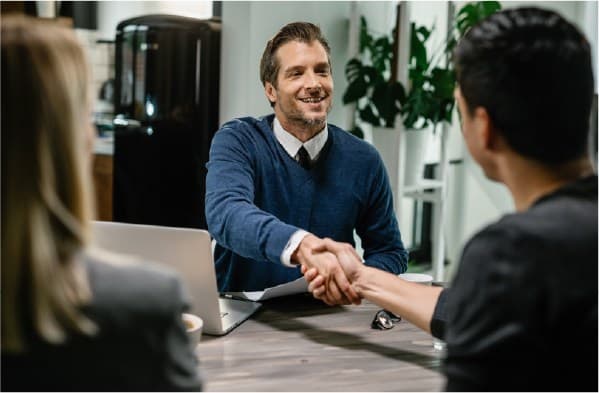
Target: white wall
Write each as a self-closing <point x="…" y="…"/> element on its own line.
<point x="380" y="15"/>
<point x="247" y="26"/>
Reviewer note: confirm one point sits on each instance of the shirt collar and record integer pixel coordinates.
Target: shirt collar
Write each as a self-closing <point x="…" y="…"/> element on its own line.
<point x="291" y="144"/>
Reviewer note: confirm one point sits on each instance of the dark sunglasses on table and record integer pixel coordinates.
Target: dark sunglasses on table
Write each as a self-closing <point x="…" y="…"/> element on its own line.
<point x="384" y="320"/>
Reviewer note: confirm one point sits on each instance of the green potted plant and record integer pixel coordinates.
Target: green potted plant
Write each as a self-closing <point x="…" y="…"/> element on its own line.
<point x="373" y="84"/>
<point x="428" y="100"/>
<point x="425" y="103"/>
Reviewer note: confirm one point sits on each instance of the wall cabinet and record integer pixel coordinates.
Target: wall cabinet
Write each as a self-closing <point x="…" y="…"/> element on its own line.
<point x="103" y="172"/>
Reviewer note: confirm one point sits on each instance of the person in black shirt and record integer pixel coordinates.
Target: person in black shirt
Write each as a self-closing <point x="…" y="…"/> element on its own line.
<point x="521" y="313"/>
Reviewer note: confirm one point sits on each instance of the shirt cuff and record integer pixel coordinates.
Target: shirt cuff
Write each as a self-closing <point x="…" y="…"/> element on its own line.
<point x="291" y="246"/>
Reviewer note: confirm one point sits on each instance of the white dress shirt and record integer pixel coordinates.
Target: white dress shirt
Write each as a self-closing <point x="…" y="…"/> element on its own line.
<point x="292" y="145"/>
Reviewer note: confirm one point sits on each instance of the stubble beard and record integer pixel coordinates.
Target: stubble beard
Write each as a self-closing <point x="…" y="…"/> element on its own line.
<point x="314" y="124"/>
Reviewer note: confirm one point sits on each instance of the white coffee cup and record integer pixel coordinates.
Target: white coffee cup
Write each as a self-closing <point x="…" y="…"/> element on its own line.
<point x="420" y="278"/>
<point x="424" y="279"/>
<point x="193" y="325"/>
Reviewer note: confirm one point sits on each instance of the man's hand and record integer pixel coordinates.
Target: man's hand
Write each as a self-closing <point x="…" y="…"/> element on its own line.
<point x="335" y="287"/>
<point x="347" y="257"/>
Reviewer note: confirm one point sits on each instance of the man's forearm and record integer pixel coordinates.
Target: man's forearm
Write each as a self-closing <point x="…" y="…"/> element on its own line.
<point x="245" y="229"/>
<point x="414" y="302"/>
<point x="338" y="288"/>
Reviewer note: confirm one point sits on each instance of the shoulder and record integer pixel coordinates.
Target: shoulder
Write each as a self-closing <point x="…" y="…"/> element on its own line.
<point x="487" y="250"/>
<point x="567" y="212"/>
<point x="247" y="125"/>
<point x="496" y="244"/>
<point x="550" y="229"/>
<point x="523" y="275"/>
<point x="243" y="136"/>
<point x="499" y="261"/>
<point x="122" y="286"/>
<point x="354" y="147"/>
<point x="532" y="245"/>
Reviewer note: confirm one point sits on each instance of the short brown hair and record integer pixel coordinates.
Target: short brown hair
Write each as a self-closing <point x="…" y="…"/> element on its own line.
<point x="296" y="31"/>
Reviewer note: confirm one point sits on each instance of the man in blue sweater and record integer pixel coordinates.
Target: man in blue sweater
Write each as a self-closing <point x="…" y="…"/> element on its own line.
<point x="278" y="184"/>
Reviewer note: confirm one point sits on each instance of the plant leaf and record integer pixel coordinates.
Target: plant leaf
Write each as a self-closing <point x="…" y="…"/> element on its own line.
<point x="367" y="114"/>
<point x="465" y="18"/>
<point x="387" y="98"/>
<point x="353" y="69"/>
<point x="358" y="82"/>
<point x="355" y="90"/>
<point x="443" y="82"/>
<point x="486" y="8"/>
<point x="472" y="13"/>
<point x="381" y="54"/>
<point x="418" y="60"/>
<point x="357" y="131"/>
<point x="365" y="37"/>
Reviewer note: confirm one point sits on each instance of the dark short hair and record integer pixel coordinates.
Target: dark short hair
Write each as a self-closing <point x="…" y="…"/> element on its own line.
<point x="531" y="70"/>
<point x="296" y="31"/>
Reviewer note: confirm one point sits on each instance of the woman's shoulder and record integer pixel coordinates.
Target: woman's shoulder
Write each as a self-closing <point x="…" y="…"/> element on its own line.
<point x="124" y="285"/>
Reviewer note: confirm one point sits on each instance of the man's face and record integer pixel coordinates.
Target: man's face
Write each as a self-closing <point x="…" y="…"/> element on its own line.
<point x="304" y="88"/>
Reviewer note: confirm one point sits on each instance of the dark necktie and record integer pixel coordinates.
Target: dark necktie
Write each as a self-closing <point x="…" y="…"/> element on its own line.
<point x="304" y="158"/>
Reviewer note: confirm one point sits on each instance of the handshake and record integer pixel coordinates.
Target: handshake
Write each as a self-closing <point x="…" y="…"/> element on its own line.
<point x="330" y="268"/>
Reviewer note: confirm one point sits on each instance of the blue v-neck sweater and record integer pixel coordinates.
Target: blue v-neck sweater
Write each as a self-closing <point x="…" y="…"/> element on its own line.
<point x="257" y="196"/>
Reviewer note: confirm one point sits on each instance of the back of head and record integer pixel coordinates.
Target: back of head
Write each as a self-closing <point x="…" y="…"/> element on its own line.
<point x="46" y="196"/>
<point x="531" y="70"/>
<point x="297" y="31"/>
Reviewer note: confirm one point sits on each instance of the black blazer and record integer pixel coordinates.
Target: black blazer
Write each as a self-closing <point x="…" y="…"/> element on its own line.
<point x="141" y="344"/>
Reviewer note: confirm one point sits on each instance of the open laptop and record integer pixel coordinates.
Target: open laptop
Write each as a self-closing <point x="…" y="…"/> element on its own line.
<point x="189" y="252"/>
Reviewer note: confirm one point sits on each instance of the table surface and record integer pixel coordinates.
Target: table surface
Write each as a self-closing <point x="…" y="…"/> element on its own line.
<point x="296" y="343"/>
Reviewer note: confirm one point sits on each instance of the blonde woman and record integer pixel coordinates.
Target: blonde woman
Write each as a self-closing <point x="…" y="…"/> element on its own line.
<point x="71" y="320"/>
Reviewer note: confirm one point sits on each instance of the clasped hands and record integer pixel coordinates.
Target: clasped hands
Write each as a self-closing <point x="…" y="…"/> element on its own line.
<point x="330" y="268"/>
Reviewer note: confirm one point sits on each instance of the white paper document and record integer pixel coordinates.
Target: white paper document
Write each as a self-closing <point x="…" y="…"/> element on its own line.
<point x="298" y="286"/>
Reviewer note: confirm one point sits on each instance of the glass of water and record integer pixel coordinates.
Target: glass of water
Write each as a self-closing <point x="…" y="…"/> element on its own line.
<point x="438" y="345"/>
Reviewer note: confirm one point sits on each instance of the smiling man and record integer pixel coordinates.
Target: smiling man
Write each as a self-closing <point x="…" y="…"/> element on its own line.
<point x="278" y="184"/>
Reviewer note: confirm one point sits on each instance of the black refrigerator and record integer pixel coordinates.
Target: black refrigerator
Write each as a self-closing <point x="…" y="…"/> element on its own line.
<point x="166" y="112"/>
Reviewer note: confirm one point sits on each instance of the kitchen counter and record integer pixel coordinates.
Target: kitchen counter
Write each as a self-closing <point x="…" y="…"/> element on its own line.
<point x="103" y="168"/>
<point x="104" y="146"/>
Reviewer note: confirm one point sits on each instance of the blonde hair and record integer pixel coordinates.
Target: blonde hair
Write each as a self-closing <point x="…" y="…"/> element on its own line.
<point x="46" y="182"/>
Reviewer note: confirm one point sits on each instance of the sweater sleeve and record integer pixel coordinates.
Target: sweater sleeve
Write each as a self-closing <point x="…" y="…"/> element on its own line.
<point x="377" y="225"/>
<point x="233" y="219"/>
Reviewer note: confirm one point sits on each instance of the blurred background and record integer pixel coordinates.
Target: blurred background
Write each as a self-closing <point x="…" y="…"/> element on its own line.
<point x="164" y="84"/>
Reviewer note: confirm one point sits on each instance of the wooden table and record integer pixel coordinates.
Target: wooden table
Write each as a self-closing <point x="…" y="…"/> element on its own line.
<point x="299" y="344"/>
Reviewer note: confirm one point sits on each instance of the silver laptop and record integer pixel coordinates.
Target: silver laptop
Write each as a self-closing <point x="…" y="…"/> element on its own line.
<point x="189" y="252"/>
